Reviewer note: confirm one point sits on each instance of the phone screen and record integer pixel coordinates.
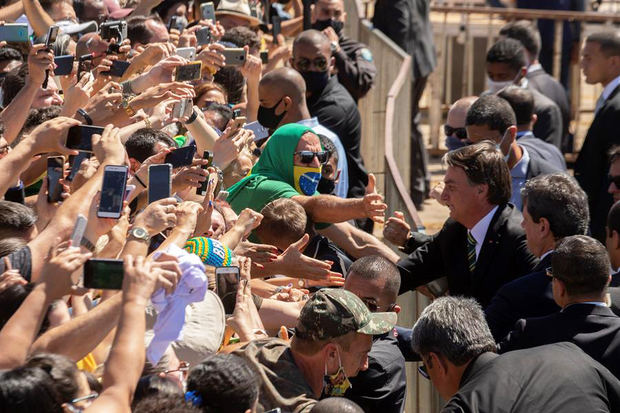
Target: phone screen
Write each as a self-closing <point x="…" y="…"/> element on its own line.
<point x="207" y="11"/>
<point x="51" y="36"/>
<point x="103" y="274"/>
<point x="159" y="182"/>
<point x="112" y="192"/>
<point x="276" y="28"/>
<point x="227" y="281"/>
<point x="54" y="174"/>
<point x="77" y="162"/>
<point x="188" y="72"/>
<point x="118" y="68"/>
<point x="81" y="137"/>
<point x="181" y="157"/>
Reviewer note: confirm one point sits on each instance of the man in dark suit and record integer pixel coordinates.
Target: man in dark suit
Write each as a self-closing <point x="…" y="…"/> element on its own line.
<point x="458" y="353"/>
<point x="612" y="243"/>
<point x="506" y="65"/>
<point x="554" y="207"/>
<point x="601" y="64"/>
<point x="525" y="32"/>
<point x="482" y="245"/>
<point x="580" y="276"/>
<point x="407" y="23"/>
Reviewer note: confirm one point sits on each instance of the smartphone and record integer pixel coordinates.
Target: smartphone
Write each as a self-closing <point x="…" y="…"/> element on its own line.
<point x="78" y="230"/>
<point x="181" y="157"/>
<point x="203" y="36"/>
<point x="116" y="29"/>
<point x="103" y="274"/>
<point x="276" y="28"/>
<point x="81" y="137"/>
<point x="85" y="64"/>
<point x="182" y="108"/>
<point x="188" y="53"/>
<point x="207" y="11"/>
<point x="159" y="181"/>
<point x="234" y="56"/>
<point x="260" y="132"/>
<point x="55" y="172"/>
<point x="220" y="181"/>
<point x="188" y="72"/>
<point x="276" y="410"/>
<point x="76" y="162"/>
<point x="64" y="65"/>
<point x="52" y="33"/>
<point x="172" y="24"/>
<point x="118" y="68"/>
<point x="112" y="191"/>
<point x="227" y="281"/>
<point x="14" y="32"/>
<point x="264" y="57"/>
<point x="128" y="191"/>
<point x="203" y="188"/>
<point x="239" y="121"/>
<point x="222" y="196"/>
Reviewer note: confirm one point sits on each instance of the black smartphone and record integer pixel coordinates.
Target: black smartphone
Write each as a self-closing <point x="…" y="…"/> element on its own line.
<point x="64" y="65"/>
<point x="81" y="137"/>
<point x="227" y="282"/>
<point x="118" y="68"/>
<point x="188" y="72"/>
<point x="203" y="188"/>
<point x="114" y="30"/>
<point x="264" y="57"/>
<point x="52" y="33"/>
<point x="159" y="181"/>
<point x="181" y="157"/>
<point x="234" y="56"/>
<point x="112" y="191"/>
<point x="55" y="172"/>
<point x="276" y="28"/>
<point x="85" y="64"/>
<point x="76" y="162"/>
<point x="203" y="36"/>
<point x="103" y="274"/>
<point x="172" y="24"/>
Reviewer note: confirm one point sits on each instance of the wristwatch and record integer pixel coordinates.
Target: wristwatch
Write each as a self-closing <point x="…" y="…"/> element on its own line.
<point x="84" y="114"/>
<point x="125" y="104"/>
<point x="87" y="244"/>
<point x="139" y="234"/>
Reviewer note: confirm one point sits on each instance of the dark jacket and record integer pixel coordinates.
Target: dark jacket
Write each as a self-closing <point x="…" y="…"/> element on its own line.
<point x="545" y="158"/>
<point x="356" y="68"/>
<point x="549" y="125"/>
<point x="594" y="328"/>
<point x="592" y="164"/>
<point x="504" y="256"/>
<point x="526" y="297"/>
<point x="406" y="23"/>
<point x="544" y="83"/>
<point x="553" y="378"/>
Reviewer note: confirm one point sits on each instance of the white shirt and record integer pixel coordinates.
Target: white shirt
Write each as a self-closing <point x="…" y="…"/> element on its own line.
<point x="534" y="67"/>
<point x="610" y="88"/>
<point x="479" y="231"/>
<point x="518" y="173"/>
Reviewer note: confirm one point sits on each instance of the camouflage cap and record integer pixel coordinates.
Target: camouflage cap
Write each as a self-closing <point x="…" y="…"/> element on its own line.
<point x="334" y="312"/>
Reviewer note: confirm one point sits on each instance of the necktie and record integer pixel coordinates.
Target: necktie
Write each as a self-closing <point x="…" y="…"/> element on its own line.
<point x="599" y="104"/>
<point x="471" y="252"/>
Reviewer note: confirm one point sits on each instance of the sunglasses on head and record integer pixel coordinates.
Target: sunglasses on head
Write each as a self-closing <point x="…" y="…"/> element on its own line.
<point x="304" y="64"/>
<point x="423" y="372"/>
<point x="615" y="180"/>
<point x="308" y="156"/>
<point x="460" y="133"/>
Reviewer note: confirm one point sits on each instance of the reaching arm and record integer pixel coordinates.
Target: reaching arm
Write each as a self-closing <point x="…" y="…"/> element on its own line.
<point x="12" y="12"/>
<point x="356" y="242"/>
<point x="38" y="18"/>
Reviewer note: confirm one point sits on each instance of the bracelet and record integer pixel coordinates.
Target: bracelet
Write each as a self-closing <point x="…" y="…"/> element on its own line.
<point x="127" y="89"/>
<point x="148" y="123"/>
<point x="193" y="117"/>
<point x="87" y="244"/>
<point x="84" y="114"/>
<point x="139" y="180"/>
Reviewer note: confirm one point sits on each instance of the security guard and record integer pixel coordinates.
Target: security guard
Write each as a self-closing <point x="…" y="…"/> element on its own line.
<point x="354" y="62"/>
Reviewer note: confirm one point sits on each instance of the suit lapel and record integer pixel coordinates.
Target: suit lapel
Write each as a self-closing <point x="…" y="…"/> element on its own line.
<point x="491" y="242"/>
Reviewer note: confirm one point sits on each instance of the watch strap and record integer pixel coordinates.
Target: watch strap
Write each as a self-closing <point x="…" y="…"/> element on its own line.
<point x="84" y="114"/>
<point x="87" y="244"/>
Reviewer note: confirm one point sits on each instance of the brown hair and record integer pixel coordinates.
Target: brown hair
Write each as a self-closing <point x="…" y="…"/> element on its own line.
<point x="283" y="217"/>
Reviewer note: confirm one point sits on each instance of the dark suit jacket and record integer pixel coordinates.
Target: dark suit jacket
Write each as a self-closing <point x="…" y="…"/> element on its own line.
<point x="544" y="83"/>
<point x="525" y="297"/>
<point x="545" y="158"/>
<point x="592" y="164"/>
<point x="552" y="378"/>
<point x="595" y="329"/>
<point x="406" y="23"/>
<point x="548" y="127"/>
<point x="503" y="257"/>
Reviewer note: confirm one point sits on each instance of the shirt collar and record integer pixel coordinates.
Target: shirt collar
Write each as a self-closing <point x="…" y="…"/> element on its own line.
<point x="542" y="257"/>
<point x="311" y="123"/>
<point x="534" y="67"/>
<point x="520" y="169"/>
<point x="610" y="88"/>
<point x="479" y="231"/>
<point x="524" y="133"/>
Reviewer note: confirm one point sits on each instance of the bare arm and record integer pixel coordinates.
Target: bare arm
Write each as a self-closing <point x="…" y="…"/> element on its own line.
<point x="204" y="135"/>
<point x="37" y="17"/>
<point x="329" y="208"/>
<point x="357" y="242"/>
<point x="12" y="12"/>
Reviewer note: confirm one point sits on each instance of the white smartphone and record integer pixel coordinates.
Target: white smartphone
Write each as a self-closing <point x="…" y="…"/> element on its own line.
<point x="78" y="230"/>
<point x="188" y="53"/>
<point x="182" y="108"/>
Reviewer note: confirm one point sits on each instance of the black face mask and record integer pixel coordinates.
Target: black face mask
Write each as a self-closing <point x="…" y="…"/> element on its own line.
<point x="315" y="81"/>
<point x="321" y="25"/>
<point x="326" y="186"/>
<point x="268" y="118"/>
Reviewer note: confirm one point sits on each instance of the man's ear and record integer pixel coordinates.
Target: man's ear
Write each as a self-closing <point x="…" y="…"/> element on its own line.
<point x="512" y="130"/>
<point x="437" y="364"/>
<point x="544" y="227"/>
<point x="534" y="119"/>
<point x="133" y="165"/>
<point x="615" y="239"/>
<point x="332" y="63"/>
<point x="344" y="17"/>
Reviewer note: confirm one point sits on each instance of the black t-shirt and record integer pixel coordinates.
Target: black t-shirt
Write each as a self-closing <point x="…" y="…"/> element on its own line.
<point x="321" y="248"/>
<point x="20" y="260"/>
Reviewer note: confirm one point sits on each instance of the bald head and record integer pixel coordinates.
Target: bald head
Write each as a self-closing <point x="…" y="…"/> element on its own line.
<point x="458" y="111"/>
<point x="90" y="43"/>
<point x="284" y="81"/>
<point x="312" y="39"/>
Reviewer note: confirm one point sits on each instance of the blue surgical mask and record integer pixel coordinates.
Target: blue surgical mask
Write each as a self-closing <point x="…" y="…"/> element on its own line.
<point x="453" y="143"/>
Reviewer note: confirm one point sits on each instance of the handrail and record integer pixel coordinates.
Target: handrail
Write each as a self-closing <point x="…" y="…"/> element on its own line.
<point x="392" y="167"/>
<point x="531" y="14"/>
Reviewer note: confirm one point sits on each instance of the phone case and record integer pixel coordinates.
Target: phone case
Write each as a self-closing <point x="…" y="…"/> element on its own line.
<point x="188" y="72"/>
<point x="188" y="53"/>
<point x="207" y="11"/>
<point x="203" y="36"/>
<point x="14" y="32"/>
<point x="234" y="57"/>
<point x="64" y="65"/>
<point x="118" y="68"/>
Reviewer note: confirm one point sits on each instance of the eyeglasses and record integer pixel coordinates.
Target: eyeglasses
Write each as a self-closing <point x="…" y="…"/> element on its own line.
<point x="304" y="64"/>
<point x="183" y="367"/>
<point x="423" y="372"/>
<point x="460" y="133"/>
<point x="308" y="156"/>
<point x="615" y="180"/>
<point x="373" y="307"/>
<point x="549" y="272"/>
<point x="75" y="409"/>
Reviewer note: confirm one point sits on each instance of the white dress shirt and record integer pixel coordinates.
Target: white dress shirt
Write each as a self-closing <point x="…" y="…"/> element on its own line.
<point x="479" y="231"/>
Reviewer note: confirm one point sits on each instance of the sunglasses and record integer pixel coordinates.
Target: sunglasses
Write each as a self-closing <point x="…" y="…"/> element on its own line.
<point x="308" y="156"/>
<point x="373" y="307"/>
<point x="304" y="64"/>
<point x="460" y="133"/>
<point x="423" y="372"/>
<point x="615" y="180"/>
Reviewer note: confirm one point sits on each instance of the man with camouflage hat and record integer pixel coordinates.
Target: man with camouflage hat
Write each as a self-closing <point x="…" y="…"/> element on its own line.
<point x="332" y="340"/>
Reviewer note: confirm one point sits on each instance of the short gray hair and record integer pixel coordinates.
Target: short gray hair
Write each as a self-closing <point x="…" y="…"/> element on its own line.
<point x="558" y="198"/>
<point x="454" y="327"/>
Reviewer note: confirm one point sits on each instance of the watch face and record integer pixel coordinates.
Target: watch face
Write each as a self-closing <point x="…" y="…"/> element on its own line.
<point x="139" y="233"/>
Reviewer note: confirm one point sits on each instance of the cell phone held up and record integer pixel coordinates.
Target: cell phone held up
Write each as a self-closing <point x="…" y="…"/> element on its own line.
<point x="81" y="137"/>
<point x="112" y="191"/>
<point x="117" y="69"/>
<point x="208" y="156"/>
<point x="235" y="56"/>
<point x="226" y="283"/>
<point x="203" y="36"/>
<point x="207" y="11"/>
<point x="188" y="72"/>
<point x="55" y="172"/>
<point x="14" y="32"/>
<point x="159" y="182"/>
<point x="103" y="274"/>
<point x="181" y="157"/>
<point x="64" y="65"/>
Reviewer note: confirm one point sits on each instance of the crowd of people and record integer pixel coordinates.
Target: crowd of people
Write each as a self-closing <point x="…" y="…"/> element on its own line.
<point x="187" y="222"/>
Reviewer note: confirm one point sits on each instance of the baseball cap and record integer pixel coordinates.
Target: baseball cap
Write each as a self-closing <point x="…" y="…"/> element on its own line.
<point x="115" y="10"/>
<point x="334" y="312"/>
<point x="70" y="27"/>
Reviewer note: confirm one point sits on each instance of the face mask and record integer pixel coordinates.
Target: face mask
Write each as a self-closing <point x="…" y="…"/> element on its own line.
<point x="315" y="81"/>
<point x="453" y="143"/>
<point x="495" y="87"/>
<point x="321" y="25"/>
<point x="268" y="118"/>
<point x="336" y="384"/>
<point x="306" y="179"/>
<point x="326" y="186"/>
